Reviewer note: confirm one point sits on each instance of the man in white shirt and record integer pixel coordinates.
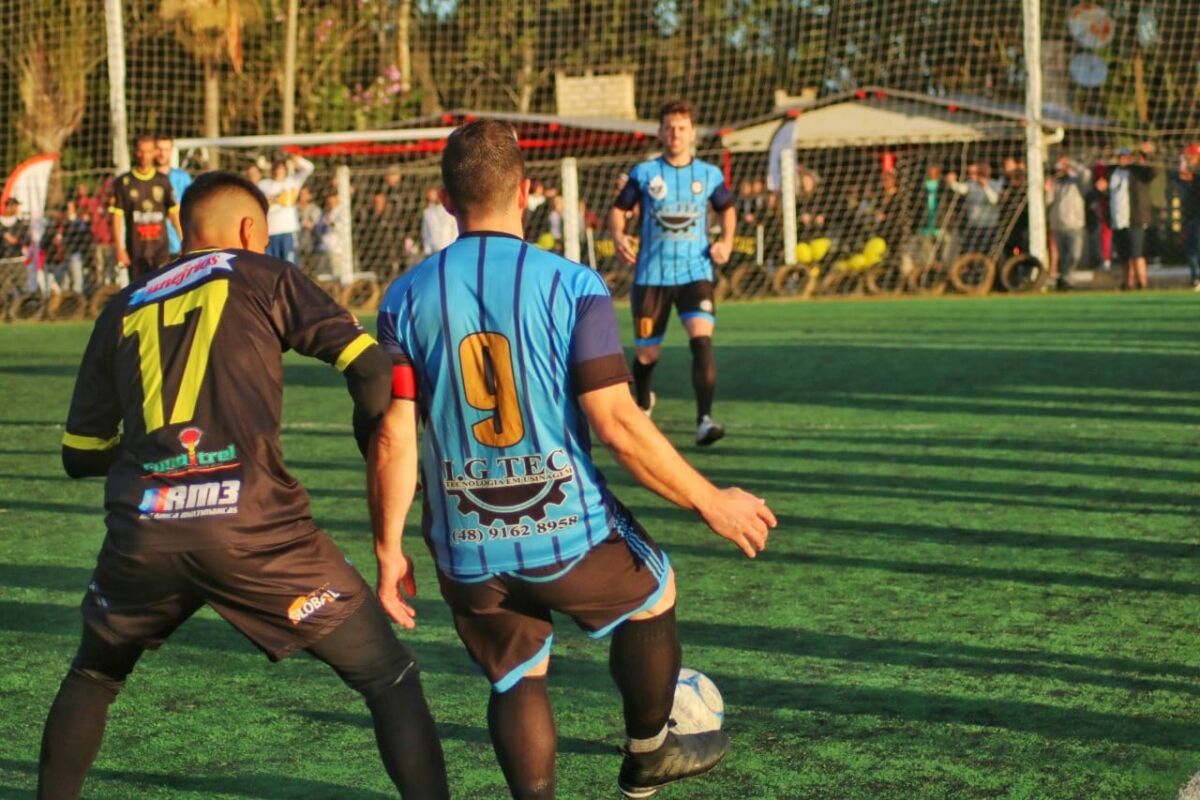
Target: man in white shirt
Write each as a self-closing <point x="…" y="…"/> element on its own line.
<point x="438" y="228"/>
<point x="283" y="190"/>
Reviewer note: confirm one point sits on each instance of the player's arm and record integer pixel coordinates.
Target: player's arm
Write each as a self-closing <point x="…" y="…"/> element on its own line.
<point x="641" y="448"/>
<point x="92" y="439"/>
<point x="627" y="198"/>
<point x="303" y="170"/>
<point x="599" y="378"/>
<point x="723" y="203"/>
<point x="117" y="213"/>
<point x="173" y="213"/>
<point x="391" y="485"/>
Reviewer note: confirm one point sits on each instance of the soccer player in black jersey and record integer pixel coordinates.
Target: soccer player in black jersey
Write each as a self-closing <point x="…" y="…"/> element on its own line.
<point x="143" y="204"/>
<point x="178" y="404"/>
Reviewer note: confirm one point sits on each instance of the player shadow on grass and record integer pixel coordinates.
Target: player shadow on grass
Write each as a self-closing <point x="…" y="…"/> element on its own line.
<point x="961" y="490"/>
<point x="966" y="658"/>
<point x="903" y="453"/>
<point x="750" y="689"/>
<point x="67" y="370"/>
<point x="251" y="786"/>
<point x="468" y="734"/>
<point x="906" y="532"/>
<point x="964" y="572"/>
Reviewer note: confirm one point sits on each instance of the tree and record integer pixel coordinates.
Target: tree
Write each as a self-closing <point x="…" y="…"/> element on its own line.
<point x="211" y="30"/>
<point x="52" y="47"/>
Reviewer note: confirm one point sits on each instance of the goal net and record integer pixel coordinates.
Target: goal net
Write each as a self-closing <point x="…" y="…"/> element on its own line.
<point x="872" y="146"/>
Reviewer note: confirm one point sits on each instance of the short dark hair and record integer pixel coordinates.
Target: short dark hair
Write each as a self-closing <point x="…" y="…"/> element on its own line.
<point x="680" y="107"/>
<point x="210" y="184"/>
<point x="482" y="165"/>
<point x="144" y="137"/>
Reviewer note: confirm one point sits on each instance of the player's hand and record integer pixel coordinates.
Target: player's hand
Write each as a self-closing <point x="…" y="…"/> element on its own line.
<point x="395" y="585"/>
<point x="625" y="251"/>
<point x="719" y="251"/>
<point x="741" y="518"/>
<point x="123" y="259"/>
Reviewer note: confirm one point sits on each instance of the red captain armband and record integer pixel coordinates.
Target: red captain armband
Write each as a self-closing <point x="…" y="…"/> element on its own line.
<point x="404" y="382"/>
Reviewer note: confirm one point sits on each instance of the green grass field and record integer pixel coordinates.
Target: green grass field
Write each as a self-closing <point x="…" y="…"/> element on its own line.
<point x="984" y="582"/>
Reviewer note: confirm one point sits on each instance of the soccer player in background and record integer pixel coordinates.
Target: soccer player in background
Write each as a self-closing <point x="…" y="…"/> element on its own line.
<point x="283" y="190"/>
<point x="178" y="405"/>
<point x="181" y="179"/>
<point x="507" y="352"/>
<point x="142" y="205"/>
<point x="674" y="258"/>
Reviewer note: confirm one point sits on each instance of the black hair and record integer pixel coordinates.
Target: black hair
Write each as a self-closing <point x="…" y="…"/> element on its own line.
<point x="482" y="165"/>
<point x="210" y="184"/>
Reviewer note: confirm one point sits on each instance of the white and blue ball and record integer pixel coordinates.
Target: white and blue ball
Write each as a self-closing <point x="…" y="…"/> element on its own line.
<point x="698" y="704"/>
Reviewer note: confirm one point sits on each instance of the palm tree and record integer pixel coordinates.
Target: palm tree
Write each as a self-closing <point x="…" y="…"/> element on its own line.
<point x="211" y="30"/>
<point x="51" y="48"/>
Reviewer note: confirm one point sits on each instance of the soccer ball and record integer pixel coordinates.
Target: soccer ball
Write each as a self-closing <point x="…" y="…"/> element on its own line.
<point x="698" y="705"/>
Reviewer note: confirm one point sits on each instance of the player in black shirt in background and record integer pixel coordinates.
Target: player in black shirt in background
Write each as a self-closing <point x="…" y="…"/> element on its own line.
<point x="178" y="404"/>
<point x="142" y="205"/>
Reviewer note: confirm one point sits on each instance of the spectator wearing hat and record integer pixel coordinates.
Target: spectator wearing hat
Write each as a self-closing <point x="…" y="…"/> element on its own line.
<point x="1189" y="179"/>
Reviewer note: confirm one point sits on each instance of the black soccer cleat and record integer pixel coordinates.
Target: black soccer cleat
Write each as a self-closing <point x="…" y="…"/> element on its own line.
<point x="679" y="757"/>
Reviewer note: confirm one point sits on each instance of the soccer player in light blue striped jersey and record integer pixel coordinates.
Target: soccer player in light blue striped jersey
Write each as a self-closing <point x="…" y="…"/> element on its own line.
<point x="507" y="354"/>
<point x="674" y="258"/>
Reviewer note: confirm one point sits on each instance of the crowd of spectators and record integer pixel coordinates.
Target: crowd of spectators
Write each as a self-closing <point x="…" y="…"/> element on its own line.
<point x="1106" y="214"/>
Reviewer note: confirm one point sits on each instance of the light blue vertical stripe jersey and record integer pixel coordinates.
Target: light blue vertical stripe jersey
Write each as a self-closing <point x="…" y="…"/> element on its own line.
<point x="502" y="338"/>
<point x="674" y="229"/>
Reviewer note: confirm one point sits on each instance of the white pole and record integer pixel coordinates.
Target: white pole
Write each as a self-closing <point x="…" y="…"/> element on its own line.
<point x="570" y="222"/>
<point x="289" y="68"/>
<point x="787" y="191"/>
<point x="1035" y="147"/>
<point x="115" y="27"/>
<point x="343" y="265"/>
<point x="759" y="245"/>
<point x="591" y="241"/>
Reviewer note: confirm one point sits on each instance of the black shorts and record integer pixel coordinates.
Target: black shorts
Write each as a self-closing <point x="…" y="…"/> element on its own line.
<point x="652" y="308"/>
<point x="146" y="258"/>
<point x="504" y="621"/>
<point x="1131" y="242"/>
<point x="283" y="598"/>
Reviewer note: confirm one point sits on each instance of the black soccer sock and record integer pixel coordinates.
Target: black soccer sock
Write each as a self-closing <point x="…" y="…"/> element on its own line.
<point x="641" y="381"/>
<point x="366" y="654"/>
<point x="408" y="740"/>
<point x="704" y="375"/>
<point x="74" y="730"/>
<point x="644" y="662"/>
<point x="522" y="727"/>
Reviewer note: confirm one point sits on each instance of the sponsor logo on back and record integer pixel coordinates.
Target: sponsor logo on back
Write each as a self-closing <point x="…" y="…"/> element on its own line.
<point x="181" y="276"/>
<point x="194" y="461"/>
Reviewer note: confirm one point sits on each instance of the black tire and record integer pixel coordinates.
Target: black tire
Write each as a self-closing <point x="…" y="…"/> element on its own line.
<point x="363" y="295"/>
<point x="619" y="280"/>
<point x="101" y="297"/>
<point x="842" y="282"/>
<point x="28" y="307"/>
<point x="721" y="287"/>
<point x="66" y="306"/>
<point x="749" y="280"/>
<point x="885" y="278"/>
<point x="929" y="280"/>
<point x="1023" y="273"/>
<point x="793" y="280"/>
<point x="973" y="274"/>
